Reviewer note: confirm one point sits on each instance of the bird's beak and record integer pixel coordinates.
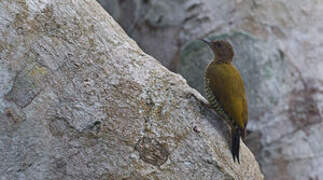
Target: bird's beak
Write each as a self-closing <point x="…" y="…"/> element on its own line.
<point x="206" y="41"/>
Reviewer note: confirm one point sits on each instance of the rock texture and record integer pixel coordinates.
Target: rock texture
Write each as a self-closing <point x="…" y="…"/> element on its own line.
<point x="278" y="51"/>
<point x="80" y="100"/>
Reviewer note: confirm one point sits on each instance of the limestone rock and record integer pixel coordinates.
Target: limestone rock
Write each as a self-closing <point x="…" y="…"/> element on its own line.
<point x="278" y="51"/>
<point x="80" y="100"/>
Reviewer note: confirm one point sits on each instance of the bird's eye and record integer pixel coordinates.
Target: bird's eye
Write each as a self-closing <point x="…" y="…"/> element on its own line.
<point x="219" y="45"/>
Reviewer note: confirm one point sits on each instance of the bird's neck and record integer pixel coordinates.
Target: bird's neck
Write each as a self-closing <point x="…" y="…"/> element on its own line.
<point x="217" y="60"/>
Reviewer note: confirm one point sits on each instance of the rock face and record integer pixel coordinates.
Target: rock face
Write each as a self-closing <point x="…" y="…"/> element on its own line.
<point x="159" y="27"/>
<point x="278" y="52"/>
<point x="80" y="100"/>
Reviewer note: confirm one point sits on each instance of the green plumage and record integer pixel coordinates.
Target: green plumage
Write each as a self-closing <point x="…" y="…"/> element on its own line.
<point x="225" y="92"/>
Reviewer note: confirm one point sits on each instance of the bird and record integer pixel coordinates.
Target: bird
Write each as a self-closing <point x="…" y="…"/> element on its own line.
<point x="225" y="91"/>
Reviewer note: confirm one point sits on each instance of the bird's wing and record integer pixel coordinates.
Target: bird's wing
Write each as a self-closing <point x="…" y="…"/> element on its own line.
<point x="227" y="86"/>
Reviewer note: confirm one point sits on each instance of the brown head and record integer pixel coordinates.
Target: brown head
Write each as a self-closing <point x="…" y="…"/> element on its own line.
<point x="223" y="51"/>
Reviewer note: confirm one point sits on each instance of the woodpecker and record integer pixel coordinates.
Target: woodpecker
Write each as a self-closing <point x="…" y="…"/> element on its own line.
<point x="225" y="91"/>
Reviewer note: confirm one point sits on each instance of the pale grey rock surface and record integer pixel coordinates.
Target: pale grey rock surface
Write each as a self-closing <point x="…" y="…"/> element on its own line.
<point x="278" y="48"/>
<point x="80" y="100"/>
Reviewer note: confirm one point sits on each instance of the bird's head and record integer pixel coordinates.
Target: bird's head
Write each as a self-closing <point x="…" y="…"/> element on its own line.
<point x="223" y="51"/>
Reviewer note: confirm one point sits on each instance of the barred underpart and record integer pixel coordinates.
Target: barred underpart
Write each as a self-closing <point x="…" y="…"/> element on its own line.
<point x="212" y="99"/>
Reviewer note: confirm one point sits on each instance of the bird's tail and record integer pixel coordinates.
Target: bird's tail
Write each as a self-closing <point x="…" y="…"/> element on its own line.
<point x="236" y="133"/>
